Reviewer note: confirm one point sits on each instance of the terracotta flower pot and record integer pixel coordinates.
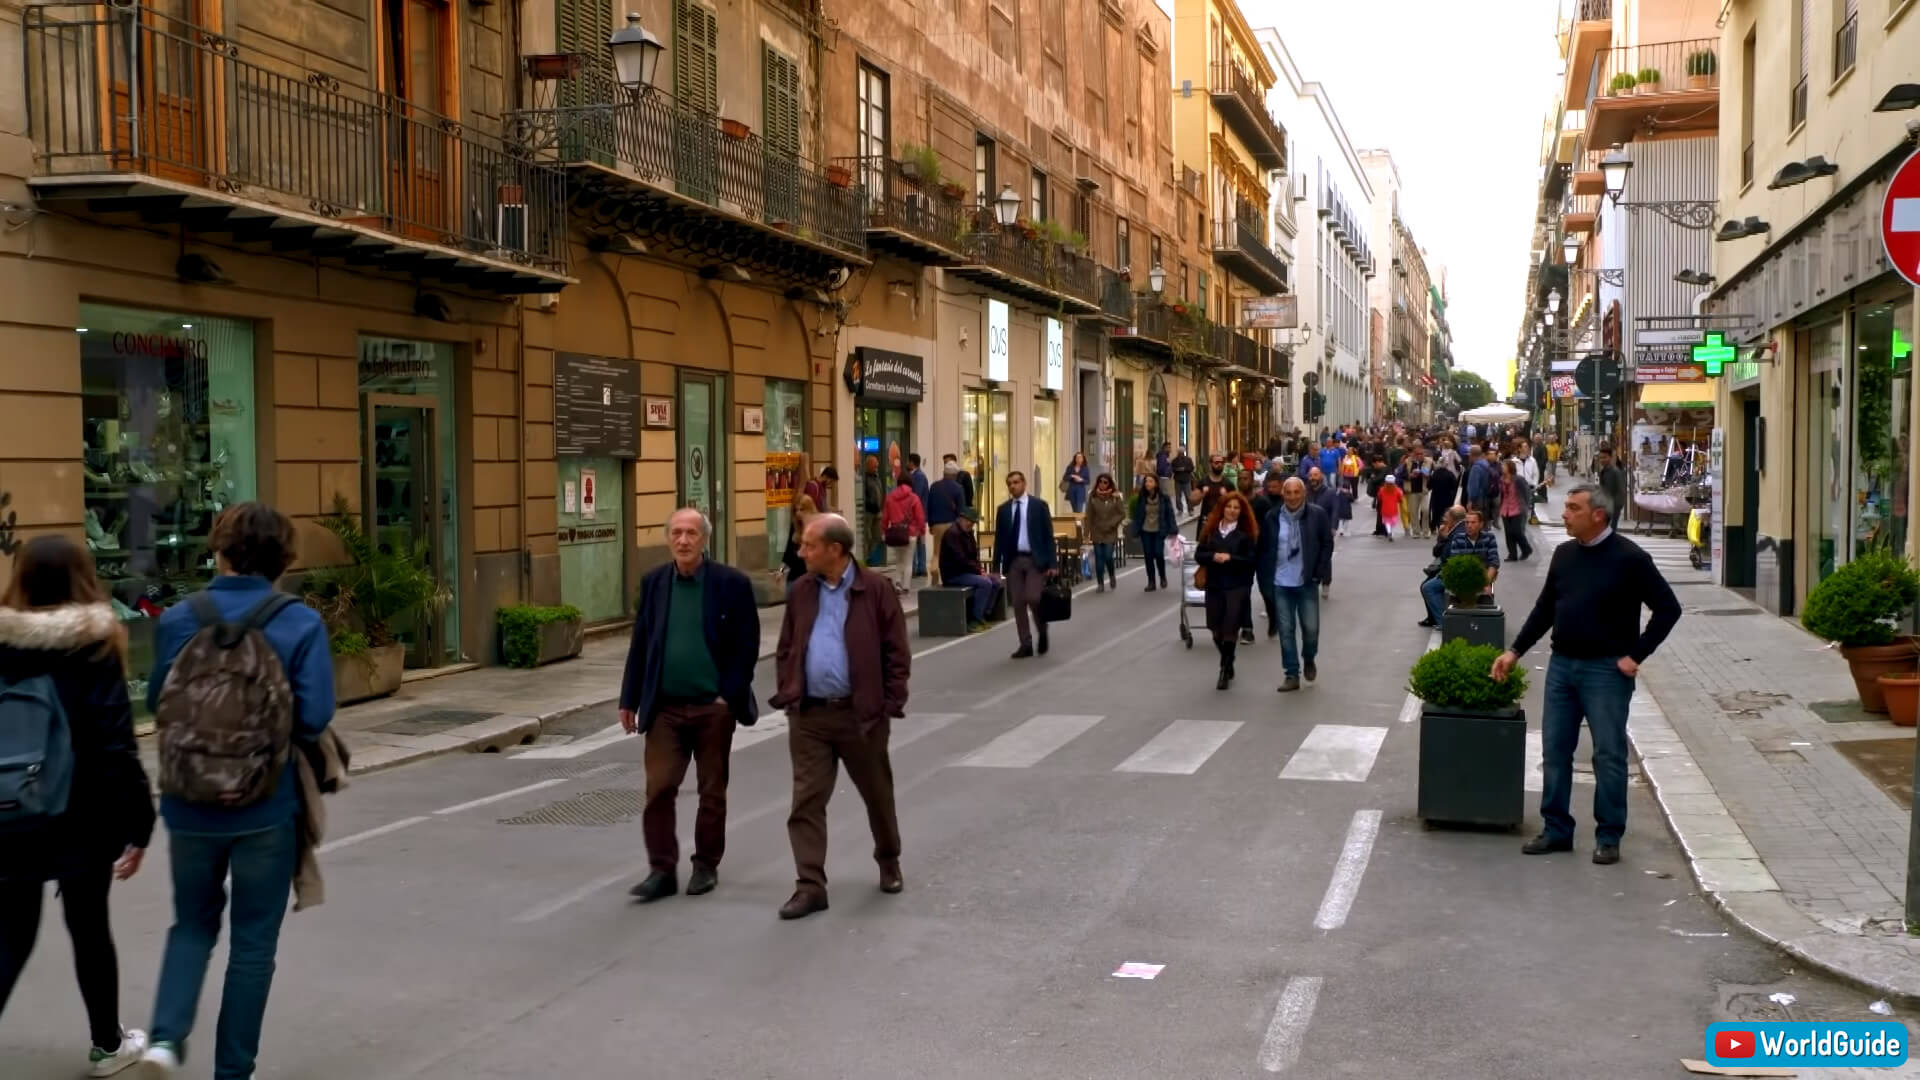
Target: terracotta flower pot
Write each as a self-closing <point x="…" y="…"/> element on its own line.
<point x="1869" y="662"/>
<point x="1902" y="693"/>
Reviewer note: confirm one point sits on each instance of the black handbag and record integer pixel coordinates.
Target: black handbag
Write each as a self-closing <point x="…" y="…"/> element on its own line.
<point x="1056" y="601"/>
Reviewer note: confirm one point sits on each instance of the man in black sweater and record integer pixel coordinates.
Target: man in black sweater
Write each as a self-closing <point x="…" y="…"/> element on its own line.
<point x="1596" y="586"/>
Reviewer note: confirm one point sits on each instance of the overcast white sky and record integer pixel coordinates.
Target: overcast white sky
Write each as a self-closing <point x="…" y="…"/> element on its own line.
<point x="1458" y="92"/>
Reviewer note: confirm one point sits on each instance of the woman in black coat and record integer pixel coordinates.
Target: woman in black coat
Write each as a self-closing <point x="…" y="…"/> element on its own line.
<point x="1229" y="550"/>
<point x="1443" y="488"/>
<point x="56" y="622"/>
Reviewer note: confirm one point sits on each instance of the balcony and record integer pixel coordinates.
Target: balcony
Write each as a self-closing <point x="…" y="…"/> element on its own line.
<point x="1023" y="262"/>
<point x="696" y="187"/>
<point x="1581" y="213"/>
<point x="922" y="225"/>
<point x="1238" y="248"/>
<point x="1590" y="32"/>
<point x="1673" y="86"/>
<point x="1244" y="108"/>
<point x="1163" y="331"/>
<point x="138" y="116"/>
<point x="1116" y="298"/>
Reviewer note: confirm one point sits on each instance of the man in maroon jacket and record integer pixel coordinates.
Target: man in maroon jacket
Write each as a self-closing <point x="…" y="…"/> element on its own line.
<point x="843" y="667"/>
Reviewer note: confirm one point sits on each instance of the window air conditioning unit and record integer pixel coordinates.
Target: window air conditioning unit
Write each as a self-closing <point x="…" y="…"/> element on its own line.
<point x="510" y="218"/>
<point x="1299" y="188"/>
<point x="919" y="207"/>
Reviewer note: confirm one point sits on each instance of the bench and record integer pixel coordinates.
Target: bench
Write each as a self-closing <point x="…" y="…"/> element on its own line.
<point x="943" y="610"/>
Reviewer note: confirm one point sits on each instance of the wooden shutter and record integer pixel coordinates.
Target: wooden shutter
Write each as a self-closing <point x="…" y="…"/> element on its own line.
<point x="583" y="26"/>
<point x="696" y="43"/>
<point x="780" y="101"/>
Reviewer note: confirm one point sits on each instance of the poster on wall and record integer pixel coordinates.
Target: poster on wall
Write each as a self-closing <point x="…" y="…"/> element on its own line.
<point x="783" y="478"/>
<point x="569" y="498"/>
<point x="595" y="406"/>
<point x="586" y="494"/>
<point x="1056" y="355"/>
<point x="999" y="354"/>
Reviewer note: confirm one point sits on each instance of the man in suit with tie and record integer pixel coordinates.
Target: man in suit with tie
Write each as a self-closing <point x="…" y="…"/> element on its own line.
<point x="1023" y="554"/>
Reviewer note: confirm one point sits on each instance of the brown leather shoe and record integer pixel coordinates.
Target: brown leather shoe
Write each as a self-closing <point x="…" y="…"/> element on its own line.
<point x="890" y="880"/>
<point x="803" y="904"/>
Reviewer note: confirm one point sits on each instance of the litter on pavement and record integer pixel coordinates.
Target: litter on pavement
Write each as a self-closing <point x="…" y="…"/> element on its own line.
<point x="1782" y="998"/>
<point x="1695" y="1065"/>
<point x="1138" y="971"/>
<point x="1880" y="1008"/>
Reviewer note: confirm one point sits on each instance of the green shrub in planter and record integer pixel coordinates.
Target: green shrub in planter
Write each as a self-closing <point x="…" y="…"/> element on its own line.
<point x="1460" y="676"/>
<point x="520" y="631"/>
<point x="1465" y="578"/>
<point x="1860" y="603"/>
<point x="1703" y="63"/>
<point x="1648" y="75"/>
<point x="1622" y="81"/>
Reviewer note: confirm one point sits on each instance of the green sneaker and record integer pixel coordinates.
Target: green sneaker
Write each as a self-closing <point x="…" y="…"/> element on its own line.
<point x="976" y="628"/>
<point x="125" y="1056"/>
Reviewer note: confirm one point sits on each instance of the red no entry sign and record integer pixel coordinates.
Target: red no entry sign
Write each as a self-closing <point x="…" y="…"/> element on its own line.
<point x="1900" y="220"/>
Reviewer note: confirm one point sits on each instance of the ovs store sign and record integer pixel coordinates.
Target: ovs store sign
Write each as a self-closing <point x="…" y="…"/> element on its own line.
<point x="1056" y="355"/>
<point x="998" y="349"/>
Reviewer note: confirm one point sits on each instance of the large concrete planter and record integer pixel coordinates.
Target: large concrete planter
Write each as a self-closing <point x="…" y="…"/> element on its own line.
<point x="561" y="641"/>
<point x="1484" y="624"/>
<point x="1869" y="662"/>
<point x="1473" y="765"/>
<point x="365" y="676"/>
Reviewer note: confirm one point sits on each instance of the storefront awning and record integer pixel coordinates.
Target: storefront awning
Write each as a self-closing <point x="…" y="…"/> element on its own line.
<point x="1676" y="395"/>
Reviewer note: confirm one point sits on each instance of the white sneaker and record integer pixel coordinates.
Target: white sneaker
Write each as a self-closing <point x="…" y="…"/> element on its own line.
<point x="109" y="1062"/>
<point x="159" y="1062"/>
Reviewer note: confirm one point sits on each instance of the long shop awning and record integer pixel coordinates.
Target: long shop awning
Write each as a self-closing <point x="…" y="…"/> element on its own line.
<point x="1678" y="395"/>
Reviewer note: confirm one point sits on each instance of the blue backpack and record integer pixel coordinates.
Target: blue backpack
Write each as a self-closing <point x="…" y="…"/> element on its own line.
<point x="36" y="754"/>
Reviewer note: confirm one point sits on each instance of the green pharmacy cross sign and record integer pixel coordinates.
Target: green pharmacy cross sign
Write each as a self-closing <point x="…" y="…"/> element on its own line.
<point x="1715" y="353"/>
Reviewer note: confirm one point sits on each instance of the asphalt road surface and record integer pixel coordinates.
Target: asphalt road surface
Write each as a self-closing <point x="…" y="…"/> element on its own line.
<point x="1062" y="816"/>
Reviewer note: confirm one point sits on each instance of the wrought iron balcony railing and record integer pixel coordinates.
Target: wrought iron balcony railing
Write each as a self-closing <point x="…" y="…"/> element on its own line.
<point x="1594" y="11"/>
<point x="133" y="92"/>
<point x="1245" y="109"/>
<point x="1240" y="247"/>
<point x="673" y="146"/>
<point x="930" y="214"/>
<point x="1244" y="351"/>
<point x="1652" y="69"/>
<point x="1057" y="271"/>
<point x="1116" y="297"/>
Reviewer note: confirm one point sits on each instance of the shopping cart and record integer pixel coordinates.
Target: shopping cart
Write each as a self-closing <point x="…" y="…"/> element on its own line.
<point x="1190" y="596"/>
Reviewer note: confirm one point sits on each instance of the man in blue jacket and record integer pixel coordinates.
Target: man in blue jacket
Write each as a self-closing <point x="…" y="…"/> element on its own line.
<point x="257" y="845"/>
<point x="945" y="499"/>
<point x="1296" y="555"/>
<point x="1023" y="554"/>
<point x="689" y="680"/>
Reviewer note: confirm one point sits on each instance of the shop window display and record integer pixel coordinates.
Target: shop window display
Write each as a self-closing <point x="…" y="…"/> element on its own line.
<point x="167" y="410"/>
<point x="1883" y="366"/>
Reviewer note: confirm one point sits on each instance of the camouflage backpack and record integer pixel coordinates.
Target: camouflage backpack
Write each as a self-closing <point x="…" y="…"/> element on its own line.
<point x="225" y="718"/>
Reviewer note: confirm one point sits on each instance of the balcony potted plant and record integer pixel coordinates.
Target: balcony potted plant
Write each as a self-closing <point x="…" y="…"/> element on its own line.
<point x="1647" y="81"/>
<point x="919" y="165"/>
<point x="953" y="192"/>
<point x="365" y="601"/>
<point x="1701" y="68"/>
<point x="531" y="635"/>
<point x="1858" y="607"/>
<point x="1471" y="614"/>
<point x="1622" y="83"/>
<point x="839" y="176"/>
<point x="734" y="129"/>
<point x="1473" y="737"/>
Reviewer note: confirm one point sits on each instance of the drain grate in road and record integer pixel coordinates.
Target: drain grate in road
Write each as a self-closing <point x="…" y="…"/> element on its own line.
<point x="432" y="721"/>
<point x="593" y="809"/>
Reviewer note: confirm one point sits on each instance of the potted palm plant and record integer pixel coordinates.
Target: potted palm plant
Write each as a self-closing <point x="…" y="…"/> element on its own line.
<point x="1701" y="68"/>
<point x="1470" y="615"/>
<point x="1473" y="737"/>
<point x="1858" y="607"/>
<point x="366" y="602"/>
<point x="1647" y="81"/>
<point x="920" y="165"/>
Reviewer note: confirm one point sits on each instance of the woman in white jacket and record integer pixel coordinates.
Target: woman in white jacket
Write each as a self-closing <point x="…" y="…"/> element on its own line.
<point x="1528" y="471"/>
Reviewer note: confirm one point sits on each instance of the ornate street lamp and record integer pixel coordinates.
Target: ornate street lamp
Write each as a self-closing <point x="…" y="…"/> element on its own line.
<point x="636" y="56"/>
<point x="1006" y="208"/>
<point x="1571" y="248"/>
<point x="1613" y="169"/>
<point x="1157" y="277"/>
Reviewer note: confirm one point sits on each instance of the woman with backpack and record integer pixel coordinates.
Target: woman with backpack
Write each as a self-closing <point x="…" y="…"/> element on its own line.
<point x="64" y="707"/>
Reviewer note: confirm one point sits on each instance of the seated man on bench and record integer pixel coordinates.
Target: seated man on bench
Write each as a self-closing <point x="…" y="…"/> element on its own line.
<point x="960" y="567"/>
<point x="1462" y="532"/>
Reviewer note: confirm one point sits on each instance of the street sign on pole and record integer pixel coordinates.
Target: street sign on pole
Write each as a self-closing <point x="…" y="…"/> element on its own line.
<point x="1900" y="219"/>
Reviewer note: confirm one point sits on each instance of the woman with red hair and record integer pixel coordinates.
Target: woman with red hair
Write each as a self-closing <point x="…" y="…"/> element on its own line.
<point x="1228" y="551"/>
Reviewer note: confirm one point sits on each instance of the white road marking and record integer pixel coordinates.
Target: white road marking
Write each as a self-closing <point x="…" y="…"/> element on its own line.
<point x="1410" y="710"/>
<point x="502" y="796"/>
<point x="918" y="726"/>
<point x="1281" y="1048"/>
<point x="1181" y="748"/>
<point x="1031" y="741"/>
<point x="349" y="841"/>
<point x="1335" y="752"/>
<point x="1048" y="671"/>
<point x="1347" y="873"/>
<point x="1535" y="780"/>
<point x="567" y="899"/>
<point x="601" y="739"/>
<point x="767" y="727"/>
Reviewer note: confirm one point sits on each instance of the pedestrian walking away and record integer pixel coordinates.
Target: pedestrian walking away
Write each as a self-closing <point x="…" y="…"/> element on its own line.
<point x="1153" y="522"/>
<point x="63" y="669"/>
<point x="1227" y="553"/>
<point x="960" y="568"/>
<point x="842" y="668"/>
<point x="1596" y="585"/>
<point x="688" y="683"/>
<point x="1023" y="553"/>
<point x="1296" y="554"/>
<point x="1106" y="513"/>
<point x="234" y="839"/>
<point x="903" y="521"/>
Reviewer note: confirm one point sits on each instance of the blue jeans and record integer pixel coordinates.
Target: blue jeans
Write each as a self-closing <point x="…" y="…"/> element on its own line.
<point x="1273" y="605"/>
<point x="1153" y="549"/>
<point x="1102" y="562"/>
<point x="1435" y="593"/>
<point x="1298" y="603"/>
<point x="262" y="865"/>
<point x="919" y="556"/>
<point x="1597" y="690"/>
<point x="980" y="601"/>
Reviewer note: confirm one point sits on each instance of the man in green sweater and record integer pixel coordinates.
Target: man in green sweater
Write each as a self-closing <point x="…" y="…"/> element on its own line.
<point x="1596" y="586"/>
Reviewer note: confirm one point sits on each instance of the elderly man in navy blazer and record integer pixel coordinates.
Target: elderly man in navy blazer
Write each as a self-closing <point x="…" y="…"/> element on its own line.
<point x="689" y="681"/>
<point x="1023" y="554"/>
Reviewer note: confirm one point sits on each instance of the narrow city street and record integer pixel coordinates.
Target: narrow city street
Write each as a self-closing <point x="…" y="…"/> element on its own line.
<point x="1100" y="806"/>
